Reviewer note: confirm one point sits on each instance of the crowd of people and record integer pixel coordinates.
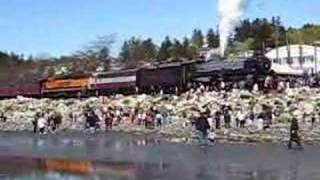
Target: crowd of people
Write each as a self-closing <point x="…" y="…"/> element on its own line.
<point x="208" y="121"/>
<point x="95" y="119"/>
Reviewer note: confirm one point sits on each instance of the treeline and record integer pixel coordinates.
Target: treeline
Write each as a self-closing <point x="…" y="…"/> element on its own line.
<point x="136" y="49"/>
<point x="263" y="34"/>
<point x="259" y="34"/>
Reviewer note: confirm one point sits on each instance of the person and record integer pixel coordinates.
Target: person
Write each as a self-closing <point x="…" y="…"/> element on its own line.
<point x="227" y="117"/>
<point x="133" y="114"/>
<point x="268" y="83"/>
<point x="242" y="119"/>
<point x="57" y="120"/>
<point x="92" y="120"/>
<point x="96" y="120"/>
<point x="203" y="126"/>
<point x="255" y="87"/>
<point x="251" y="116"/>
<point x="35" y="123"/>
<point x="267" y="116"/>
<point x="237" y="121"/>
<point x="217" y="118"/>
<point x="176" y="90"/>
<point x="222" y="85"/>
<point x="281" y="87"/>
<point x="108" y="120"/>
<point x="118" y="115"/>
<point x="140" y="117"/>
<point x="3" y="118"/>
<point x="275" y="82"/>
<point x="313" y="120"/>
<point x="294" y="134"/>
<point x="42" y="124"/>
<point x="159" y="119"/>
<point x="149" y="120"/>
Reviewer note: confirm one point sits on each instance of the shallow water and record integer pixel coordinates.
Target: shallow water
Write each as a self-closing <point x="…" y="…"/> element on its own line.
<point x="127" y="157"/>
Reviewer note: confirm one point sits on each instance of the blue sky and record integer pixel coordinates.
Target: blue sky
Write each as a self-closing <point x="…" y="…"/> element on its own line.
<point x="60" y="27"/>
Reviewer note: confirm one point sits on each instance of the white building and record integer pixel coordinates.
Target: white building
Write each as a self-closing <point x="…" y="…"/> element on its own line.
<point x="295" y="59"/>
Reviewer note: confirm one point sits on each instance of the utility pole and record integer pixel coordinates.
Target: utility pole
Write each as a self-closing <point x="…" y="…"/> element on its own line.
<point x="316" y="44"/>
<point x="316" y="59"/>
<point x="277" y="37"/>
<point x="288" y="51"/>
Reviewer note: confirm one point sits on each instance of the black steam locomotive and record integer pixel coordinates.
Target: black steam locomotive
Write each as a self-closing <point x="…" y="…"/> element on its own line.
<point x="233" y="70"/>
<point x="181" y="74"/>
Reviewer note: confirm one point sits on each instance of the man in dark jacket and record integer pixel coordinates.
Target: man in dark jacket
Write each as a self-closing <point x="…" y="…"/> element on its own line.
<point x="92" y="120"/>
<point x="56" y="120"/>
<point x="294" y="134"/>
<point x="203" y="126"/>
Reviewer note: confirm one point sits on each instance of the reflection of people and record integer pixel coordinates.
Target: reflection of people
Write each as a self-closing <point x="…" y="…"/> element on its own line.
<point x="294" y="134"/>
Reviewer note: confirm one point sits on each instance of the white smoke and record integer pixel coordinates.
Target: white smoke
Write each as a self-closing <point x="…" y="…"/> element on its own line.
<point x="230" y="13"/>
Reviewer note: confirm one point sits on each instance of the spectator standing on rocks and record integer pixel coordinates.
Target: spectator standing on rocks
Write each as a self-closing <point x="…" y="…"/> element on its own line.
<point x="294" y="134"/>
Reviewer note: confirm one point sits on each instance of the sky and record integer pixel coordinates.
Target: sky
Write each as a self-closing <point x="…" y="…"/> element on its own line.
<point x="61" y="27"/>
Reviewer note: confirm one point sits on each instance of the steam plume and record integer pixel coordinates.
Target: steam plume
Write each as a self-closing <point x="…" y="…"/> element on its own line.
<point x="230" y="12"/>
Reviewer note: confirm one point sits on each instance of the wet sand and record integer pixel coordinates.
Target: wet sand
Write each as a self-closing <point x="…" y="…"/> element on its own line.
<point x="122" y="156"/>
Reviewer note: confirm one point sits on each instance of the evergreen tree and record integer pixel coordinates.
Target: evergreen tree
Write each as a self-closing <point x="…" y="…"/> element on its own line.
<point x="177" y="49"/>
<point x="197" y="38"/>
<point x="125" y="51"/>
<point x="243" y="31"/>
<point x="165" y="49"/>
<point x="150" y="49"/>
<point x="189" y="51"/>
<point x="136" y="51"/>
<point x="212" y="39"/>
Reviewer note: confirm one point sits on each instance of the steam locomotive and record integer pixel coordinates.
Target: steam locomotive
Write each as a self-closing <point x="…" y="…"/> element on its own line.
<point x="169" y="77"/>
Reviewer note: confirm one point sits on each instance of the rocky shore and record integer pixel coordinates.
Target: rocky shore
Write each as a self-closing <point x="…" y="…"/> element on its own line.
<point x="301" y="103"/>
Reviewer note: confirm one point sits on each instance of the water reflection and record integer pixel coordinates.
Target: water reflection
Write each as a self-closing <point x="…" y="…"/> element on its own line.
<point x="18" y="166"/>
<point x="147" y="158"/>
<point x="21" y="168"/>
